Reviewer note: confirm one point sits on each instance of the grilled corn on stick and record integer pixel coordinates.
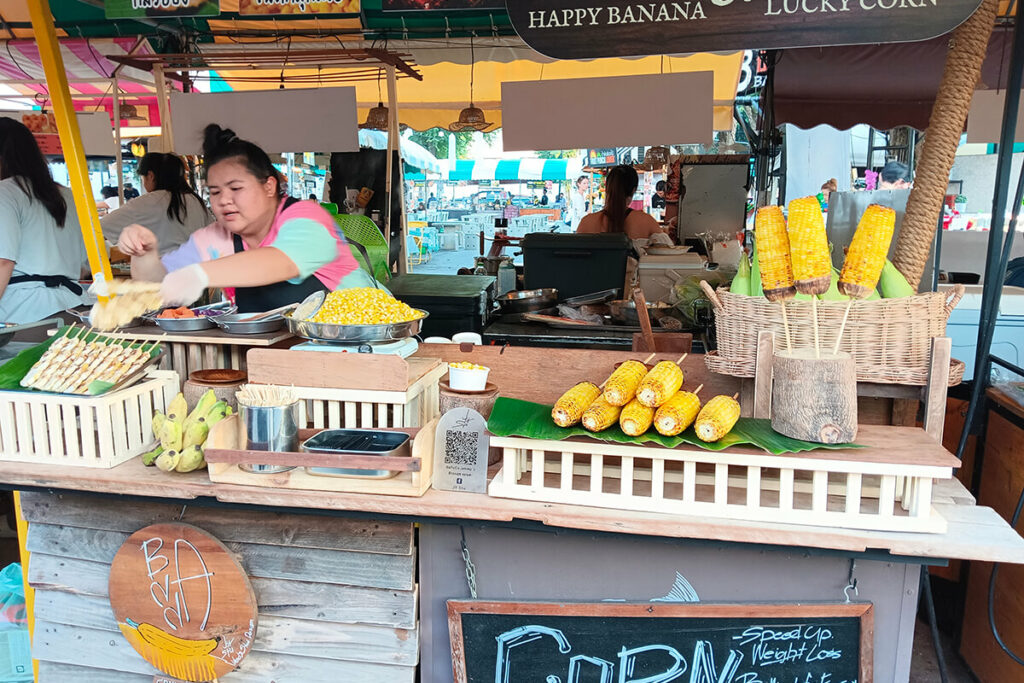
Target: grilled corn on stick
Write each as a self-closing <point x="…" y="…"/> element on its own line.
<point x="773" y="254"/>
<point x="866" y="255"/>
<point x="678" y="413"/>
<point x="600" y="415"/>
<point x="569" y="407"/>
<point x="622" y="384"/>
<point x="717" y="418"/>
<point x="636" y="418"/>
<point x="808" y="245"/>
<point x="660" y="384"/>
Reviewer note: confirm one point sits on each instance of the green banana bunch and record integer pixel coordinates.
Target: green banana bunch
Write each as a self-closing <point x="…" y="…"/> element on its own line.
<point x="177" y="410"/>
<point x="171" y="436"/>
<point x="203" y="406"/>
<point x="168" y="460"/>
<point x="158" y="422"/>
<point x="191" y="459"/>
<point x="217" y="413"/>
<point x="149" y="459"/>
<point x="195" y="434"/>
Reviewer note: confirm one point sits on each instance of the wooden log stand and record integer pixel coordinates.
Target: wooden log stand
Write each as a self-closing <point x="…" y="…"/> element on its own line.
<point x="814" y="397"/>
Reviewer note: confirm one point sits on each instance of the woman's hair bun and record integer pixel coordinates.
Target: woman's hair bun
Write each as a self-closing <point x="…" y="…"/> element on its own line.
<point x="216" y="138"/>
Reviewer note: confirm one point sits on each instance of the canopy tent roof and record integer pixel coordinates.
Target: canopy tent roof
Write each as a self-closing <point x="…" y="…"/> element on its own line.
<point x="881" y="85"/>
<point x="413" y="153"/>
<point x="516" y="169"/>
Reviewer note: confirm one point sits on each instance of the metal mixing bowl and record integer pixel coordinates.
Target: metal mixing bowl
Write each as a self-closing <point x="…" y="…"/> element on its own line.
<point x="236" y="323"/>
<point x="352" y="334"/>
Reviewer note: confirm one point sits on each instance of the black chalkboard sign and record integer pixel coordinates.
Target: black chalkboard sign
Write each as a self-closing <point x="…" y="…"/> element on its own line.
<point x="529" y="642"/>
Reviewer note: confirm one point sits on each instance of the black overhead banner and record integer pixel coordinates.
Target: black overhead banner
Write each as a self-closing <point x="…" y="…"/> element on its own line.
<point x="580" y="29"/>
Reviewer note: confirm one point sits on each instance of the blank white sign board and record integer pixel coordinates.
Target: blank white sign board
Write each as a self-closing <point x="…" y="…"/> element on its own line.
<point x="314" y="120"/>
<point x="985" y="120"/>
<point x="618" y="111"/>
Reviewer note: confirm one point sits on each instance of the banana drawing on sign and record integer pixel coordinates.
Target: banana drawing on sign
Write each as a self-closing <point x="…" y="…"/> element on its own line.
<point x="183" y="602"/>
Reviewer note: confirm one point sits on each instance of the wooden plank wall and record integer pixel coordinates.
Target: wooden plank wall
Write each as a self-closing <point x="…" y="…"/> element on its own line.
<point x="337" y="597"/>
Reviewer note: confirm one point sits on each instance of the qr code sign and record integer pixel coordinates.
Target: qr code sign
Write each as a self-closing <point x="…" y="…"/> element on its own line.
<point x="460" y="448"/>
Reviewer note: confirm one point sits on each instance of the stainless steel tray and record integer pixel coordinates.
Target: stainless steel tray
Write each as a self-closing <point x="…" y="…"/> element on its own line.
<point x="357" y="442"/>
<point x="351" y="334"/>
<point x="200" y="322"/>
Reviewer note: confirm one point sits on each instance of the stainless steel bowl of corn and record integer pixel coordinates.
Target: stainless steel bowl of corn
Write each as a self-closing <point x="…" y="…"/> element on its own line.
<point x="359" y="315"/>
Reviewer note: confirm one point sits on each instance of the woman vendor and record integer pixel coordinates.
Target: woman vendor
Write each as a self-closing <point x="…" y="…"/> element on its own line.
<point x="617" y="216"/>
<point x="265" y="249"/>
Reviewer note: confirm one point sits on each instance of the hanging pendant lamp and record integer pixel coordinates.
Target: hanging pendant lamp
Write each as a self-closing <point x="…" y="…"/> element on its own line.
<point x="656" y="157"/>
<point x="472" y="117"/>
<point x="378" y="118"/>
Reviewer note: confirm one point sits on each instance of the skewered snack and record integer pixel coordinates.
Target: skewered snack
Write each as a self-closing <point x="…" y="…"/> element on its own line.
<point x="636" y="418"/>
<point x="600" y="415"/>
<point x="622" y="384"/>
<point x="73" y="362"/>
<point x="717" y="418"/>
<point x="660" y="384"/>
<point x="569" y="407"/>
<point x="866" y="255"/>
<point x="773" y="261"/>
<point x="676" y="414"/>
<point x="808" y="246"/>
<point x="130" y="299"/>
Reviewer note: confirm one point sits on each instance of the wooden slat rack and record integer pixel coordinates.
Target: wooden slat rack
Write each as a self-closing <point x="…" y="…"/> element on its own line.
<point x="890" y="489"/>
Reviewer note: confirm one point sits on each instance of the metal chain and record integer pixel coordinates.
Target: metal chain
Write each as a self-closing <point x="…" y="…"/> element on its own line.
<point x="470" y="568"/>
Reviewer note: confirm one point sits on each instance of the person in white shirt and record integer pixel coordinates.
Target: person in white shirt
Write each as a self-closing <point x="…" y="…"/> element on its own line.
<point x="41" y="246"/>
<point x="578" y="204"/>
<point x="170" y="208"/>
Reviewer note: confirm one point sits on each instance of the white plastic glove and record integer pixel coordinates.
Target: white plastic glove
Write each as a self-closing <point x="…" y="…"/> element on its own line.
<point x="182" y="287"/>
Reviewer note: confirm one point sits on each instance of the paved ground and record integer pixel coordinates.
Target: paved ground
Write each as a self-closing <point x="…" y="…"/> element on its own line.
<point x="446" y="262"/>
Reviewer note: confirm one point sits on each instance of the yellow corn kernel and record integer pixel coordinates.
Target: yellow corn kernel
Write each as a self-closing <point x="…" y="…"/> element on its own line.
<point x="660" y="384"/>
<point x="636" y="418"/>
<point x="773" y="253"/>
<point x="808" y="247"/>
<point x="868" y="249"/>
<point x="570" y="406"/>
<point x="363" y="306"/>
<point x="600" y="415"/>
<point x="677" y="413"/>
<point x="622" y="384"/>
<point x="717" y="418"/>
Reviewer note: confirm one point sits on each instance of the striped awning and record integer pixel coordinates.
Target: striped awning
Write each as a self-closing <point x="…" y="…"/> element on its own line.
<point x="516" y="169"/>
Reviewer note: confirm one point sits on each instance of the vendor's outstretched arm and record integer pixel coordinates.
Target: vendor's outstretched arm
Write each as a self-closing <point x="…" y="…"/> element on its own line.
<point x="148" y="267"/>
<point x="253" y="268"/>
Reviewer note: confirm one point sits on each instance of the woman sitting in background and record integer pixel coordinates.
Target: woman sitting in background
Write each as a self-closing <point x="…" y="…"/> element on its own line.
<point x="41" y="247"/>
<point x="617" y="216"/>
<point x="170" y="208"/>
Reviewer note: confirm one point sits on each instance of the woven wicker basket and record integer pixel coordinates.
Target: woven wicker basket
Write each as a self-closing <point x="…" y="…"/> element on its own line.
<point x="889" y="338"/>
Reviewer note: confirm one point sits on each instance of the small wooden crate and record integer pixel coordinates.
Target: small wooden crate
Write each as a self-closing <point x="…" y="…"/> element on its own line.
<point x="353" y="390"/>
<point x="814" y="488"/>
<point x="225" y="450"/>
<point x="93" y="431"/>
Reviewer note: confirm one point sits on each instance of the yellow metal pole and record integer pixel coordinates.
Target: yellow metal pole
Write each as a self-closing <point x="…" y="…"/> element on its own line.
<point x="70" y="136"/>
<point x="30" y="594"/>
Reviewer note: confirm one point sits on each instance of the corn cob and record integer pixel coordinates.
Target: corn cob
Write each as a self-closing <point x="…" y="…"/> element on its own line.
<point x="570" y="406"/>
<point x="636" y="418"/>
<point x="660" y="384"/>
<point x="622" y="385"/>
<point x="812" y="262"/>
<point x="867" y="252"/>
<point x="717" y="418"/>
<point x="600" y="415"/>
<point x="773" y="254"/>
<point x="676" y="414"/>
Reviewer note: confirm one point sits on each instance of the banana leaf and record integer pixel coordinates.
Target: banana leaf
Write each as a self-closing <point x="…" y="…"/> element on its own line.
<point x="16" y="368"/>
<point x="512" y="417"/>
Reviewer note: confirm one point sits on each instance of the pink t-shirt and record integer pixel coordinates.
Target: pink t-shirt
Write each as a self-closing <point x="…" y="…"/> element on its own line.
<point x="304" y="232"/>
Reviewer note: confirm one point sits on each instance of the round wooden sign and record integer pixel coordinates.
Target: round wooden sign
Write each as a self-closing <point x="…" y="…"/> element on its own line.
<point x="183" y="602"/>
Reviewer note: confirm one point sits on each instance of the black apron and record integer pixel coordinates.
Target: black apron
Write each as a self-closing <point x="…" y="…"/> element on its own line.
<point x="49" y="281"/>
<point x="267" y="297"/>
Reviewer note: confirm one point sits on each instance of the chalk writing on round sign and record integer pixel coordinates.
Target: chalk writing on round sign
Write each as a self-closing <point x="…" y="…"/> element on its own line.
<point x="583" y="29"/>
<point x="183" y="602"/>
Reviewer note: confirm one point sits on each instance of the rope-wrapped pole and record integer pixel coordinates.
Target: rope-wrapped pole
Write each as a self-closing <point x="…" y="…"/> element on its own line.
<point x="967" y="48"/>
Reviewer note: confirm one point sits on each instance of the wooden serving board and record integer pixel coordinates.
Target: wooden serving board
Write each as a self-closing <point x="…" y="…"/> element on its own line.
<point x="224" y="452"/>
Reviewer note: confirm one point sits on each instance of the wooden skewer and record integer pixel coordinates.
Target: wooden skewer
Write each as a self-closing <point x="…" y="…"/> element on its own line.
<point x="785" y="325"/>
<point x="648" y="359"/>
<point x="842" y="326"/>
<point x="682" y="358"/>
<point x="697" y="390"/>
<point x="814" y="307"/>
<point x="736" y="396"/>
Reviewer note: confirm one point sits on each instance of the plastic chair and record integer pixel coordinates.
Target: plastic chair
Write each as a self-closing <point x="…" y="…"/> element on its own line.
<point x="364" y="231"/>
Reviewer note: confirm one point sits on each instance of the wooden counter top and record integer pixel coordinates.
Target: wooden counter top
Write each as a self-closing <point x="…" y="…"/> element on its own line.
<point x="974" y="532"/>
